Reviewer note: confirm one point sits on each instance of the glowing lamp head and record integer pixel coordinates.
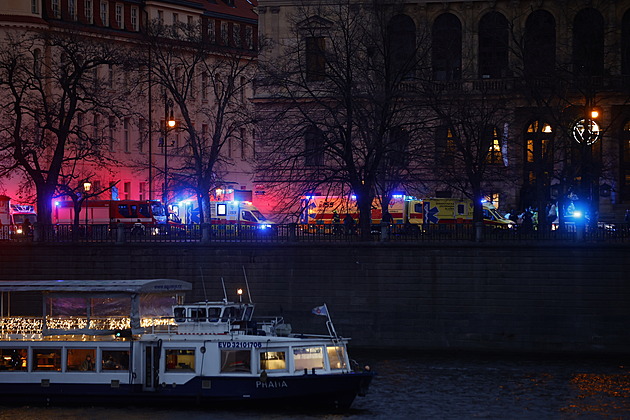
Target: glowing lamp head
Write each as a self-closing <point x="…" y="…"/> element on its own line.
<point x="239" y="292"/>
<point x="87" y="186"/>
<point x="171" y="122"/>
<point x="594" y="113"/>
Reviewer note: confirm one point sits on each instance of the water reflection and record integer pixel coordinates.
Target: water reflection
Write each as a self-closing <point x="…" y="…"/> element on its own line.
<point x="428" y="386"/>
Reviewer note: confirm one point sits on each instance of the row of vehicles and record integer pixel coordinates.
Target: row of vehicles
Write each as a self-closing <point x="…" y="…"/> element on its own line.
<point x="152" y="212"/>
<point x="315" y="211"/>
<point x="322" y="210"/>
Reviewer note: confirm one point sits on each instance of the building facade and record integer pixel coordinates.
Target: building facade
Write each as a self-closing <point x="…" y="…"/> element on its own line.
<point x="559" y="72"/>
<point x="137" y="152"/>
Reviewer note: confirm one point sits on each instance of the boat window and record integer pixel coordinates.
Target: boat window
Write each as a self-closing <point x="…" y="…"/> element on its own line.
<point x="337" y="357"/>
<point x="198" y="314"/>
<point x="178" y="360"/>
<point x="248" y="313"/>
<point x="81" y="359"/>
<point x="214" y="314"/>
<point x="308" y="358"/>
<point x="13" y="359"/>
<point x="47" y="359"/>
<point x="273" y="360"/>
<point x="236" y="361"/>
<point x="180" y="314"/>
<point x="115" y="359"/>
<point x="228" y="313"/>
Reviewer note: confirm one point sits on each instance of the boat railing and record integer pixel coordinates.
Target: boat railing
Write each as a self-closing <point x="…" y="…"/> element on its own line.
<point x="28" y="326"/>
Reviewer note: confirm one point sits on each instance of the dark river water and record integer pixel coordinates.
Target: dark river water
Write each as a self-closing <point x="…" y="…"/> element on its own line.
<point x="429" y="386"/>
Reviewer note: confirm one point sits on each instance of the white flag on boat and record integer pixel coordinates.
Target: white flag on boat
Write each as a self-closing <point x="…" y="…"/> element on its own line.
<point x="320" y="310"/>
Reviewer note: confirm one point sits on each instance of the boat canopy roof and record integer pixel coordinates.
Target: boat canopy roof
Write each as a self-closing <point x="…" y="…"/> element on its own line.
<point x="97" y="286"/>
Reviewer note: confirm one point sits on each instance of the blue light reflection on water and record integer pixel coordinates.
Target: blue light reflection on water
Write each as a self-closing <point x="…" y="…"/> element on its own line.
<point x="432" y="387"/>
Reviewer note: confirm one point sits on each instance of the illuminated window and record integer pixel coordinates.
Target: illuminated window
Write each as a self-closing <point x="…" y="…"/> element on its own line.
<point x="115" y="359"/>
<point x="83" y="360"/>
<point x="178" y="360"/>
<point x="273" y="360"/>
<point x="336" y="357"/>
<point x="494" y="151"/>
<point x="47" y="359"/>
<point x="308" y="358"/>
<point x="221" y="209"/>
<point x="237" y="361"/>
<point x="538" y="137"/>
<point x="14" y="359"/>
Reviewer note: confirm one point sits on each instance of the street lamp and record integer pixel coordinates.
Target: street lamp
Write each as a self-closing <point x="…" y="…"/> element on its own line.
<point x="87" y="186"/>
<point x="169" y="124"/>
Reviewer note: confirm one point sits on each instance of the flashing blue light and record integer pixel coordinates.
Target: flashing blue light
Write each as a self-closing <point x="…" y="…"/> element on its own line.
<point x="577" y="214"/>
<point x="397" y="196"/>
<point x="56" y="203"/>
<point x="353" y="197"/>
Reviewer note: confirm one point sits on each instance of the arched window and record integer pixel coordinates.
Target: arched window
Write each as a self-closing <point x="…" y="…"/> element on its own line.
<point x="588" y="43"/>
<point x="314" y="143"/>
<point x="402" y="45"/>
<point x="538" y="137"/>
<point x="624" y="163"/>
<point x="446" y="47"/>
<point x="540" y="43"/>
<point x="493" y="141"/>
<point x="445" y="145"/>
<point x="625" y="44"/>
<point x="493" y="46"/>
<point x="538" y="167"/>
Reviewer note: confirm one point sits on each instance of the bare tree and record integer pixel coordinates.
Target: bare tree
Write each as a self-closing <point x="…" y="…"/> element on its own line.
<point x="564" y="79"/>
<point x="341" y="119"/>
<point x="208" y="85"/>
<point x="53" y="97"/>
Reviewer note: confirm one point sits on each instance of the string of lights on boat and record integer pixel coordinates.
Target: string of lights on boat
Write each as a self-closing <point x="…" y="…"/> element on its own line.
<point x="31" y="328"/>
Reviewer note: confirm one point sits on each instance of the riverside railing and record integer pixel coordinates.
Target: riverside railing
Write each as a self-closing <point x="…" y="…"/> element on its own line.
<point x="297" y="233"/>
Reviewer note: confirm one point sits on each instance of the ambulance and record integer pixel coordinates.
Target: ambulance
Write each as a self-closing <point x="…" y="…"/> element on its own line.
<point x="226" y="212"/>
<point x="403" y="209"/>
<point x="13" y="216"/>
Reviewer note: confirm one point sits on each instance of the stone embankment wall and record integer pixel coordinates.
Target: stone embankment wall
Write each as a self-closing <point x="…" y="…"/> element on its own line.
<point x="531" y="298"/>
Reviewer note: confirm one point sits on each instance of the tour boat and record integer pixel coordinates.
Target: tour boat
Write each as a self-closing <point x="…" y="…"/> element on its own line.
<point x="112" y="342"/>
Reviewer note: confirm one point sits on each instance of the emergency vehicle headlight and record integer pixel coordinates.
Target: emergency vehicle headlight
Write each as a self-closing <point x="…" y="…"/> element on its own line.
<point x="18" y="231"/>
